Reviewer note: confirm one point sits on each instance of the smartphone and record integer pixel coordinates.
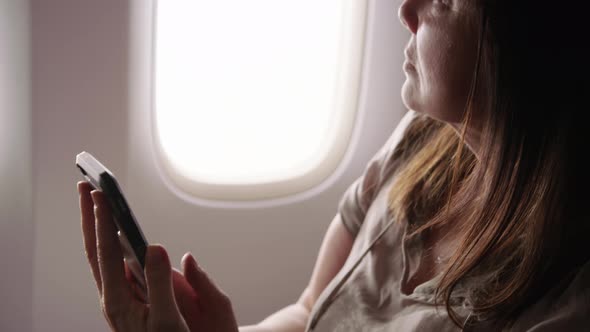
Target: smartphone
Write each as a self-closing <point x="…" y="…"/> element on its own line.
<point x="133" y="242"/>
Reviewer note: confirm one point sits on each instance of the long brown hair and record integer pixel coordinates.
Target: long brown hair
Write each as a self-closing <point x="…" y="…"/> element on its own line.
<point x="520" y="204"/>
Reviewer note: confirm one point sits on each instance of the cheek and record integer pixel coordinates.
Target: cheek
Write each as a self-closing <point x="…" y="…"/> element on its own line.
<point x="445" y="89"/>
<point x="439" y="77"/>
<point x="445" y="67"/>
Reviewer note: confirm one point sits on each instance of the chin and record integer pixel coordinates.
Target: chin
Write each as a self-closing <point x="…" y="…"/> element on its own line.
<point x="414" y="100"/>
<point x="410" y="98"/>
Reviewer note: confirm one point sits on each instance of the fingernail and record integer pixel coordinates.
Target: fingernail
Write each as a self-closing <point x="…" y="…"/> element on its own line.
<point x="184" y="258"/>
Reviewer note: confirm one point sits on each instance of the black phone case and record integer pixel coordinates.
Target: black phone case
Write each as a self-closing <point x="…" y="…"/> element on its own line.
<point x="124" y="216"/>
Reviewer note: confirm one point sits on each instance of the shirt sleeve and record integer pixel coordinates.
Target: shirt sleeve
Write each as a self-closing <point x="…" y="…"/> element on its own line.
<point x="357" y="199"/>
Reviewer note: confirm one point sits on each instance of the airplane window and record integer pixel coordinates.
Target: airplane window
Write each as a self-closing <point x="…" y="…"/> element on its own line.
<point x="255" y="99"/>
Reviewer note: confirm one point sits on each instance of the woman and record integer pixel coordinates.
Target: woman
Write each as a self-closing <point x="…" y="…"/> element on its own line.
<point x="470" y="217"/>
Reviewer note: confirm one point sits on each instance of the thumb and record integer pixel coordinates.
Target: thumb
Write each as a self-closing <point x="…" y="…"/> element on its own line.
<point x="159" y="282"/>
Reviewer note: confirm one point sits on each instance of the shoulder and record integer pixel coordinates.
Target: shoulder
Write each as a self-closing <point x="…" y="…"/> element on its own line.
<point x="405" y="135"/>
<point x="409" y="136"/>
<point x="565" y="308"/>
<point x="361" y="193"/>
<point x="412" y="126"/>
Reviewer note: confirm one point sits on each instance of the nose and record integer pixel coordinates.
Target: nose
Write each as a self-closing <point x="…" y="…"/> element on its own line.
<point x="408" y="15"/>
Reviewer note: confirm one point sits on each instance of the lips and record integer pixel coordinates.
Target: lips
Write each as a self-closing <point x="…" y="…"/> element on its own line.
<point x="409" y="67"/>
<point x="409" y="64"/>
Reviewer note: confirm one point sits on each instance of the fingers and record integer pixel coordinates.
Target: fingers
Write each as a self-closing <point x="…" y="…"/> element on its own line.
<point x="136" y="289"/>
<point x="216" y="309"/>
<point x="187" y="300"/>
<point x="116" y="292"/>
<point x="158" y="272"/>
<point x="200" y="281"/>
<point x="89" y="230"/>
<point x="183" y="291"/>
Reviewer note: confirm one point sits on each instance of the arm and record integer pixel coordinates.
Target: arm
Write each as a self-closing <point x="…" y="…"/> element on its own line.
<point x="333" y="253"/>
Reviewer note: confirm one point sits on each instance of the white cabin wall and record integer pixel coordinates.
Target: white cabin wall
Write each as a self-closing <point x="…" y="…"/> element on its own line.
<point x="16" y="217"/>
<point x="80" y="97"/>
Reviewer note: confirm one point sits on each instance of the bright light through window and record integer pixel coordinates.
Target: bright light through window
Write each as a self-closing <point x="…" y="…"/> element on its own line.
<point x="255" y="92"/>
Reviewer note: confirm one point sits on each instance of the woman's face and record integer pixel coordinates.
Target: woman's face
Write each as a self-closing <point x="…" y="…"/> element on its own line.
<point x="440" y="56"/>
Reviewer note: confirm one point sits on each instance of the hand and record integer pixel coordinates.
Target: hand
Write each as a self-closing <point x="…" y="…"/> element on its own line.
<point x="123" y="310"/>
<point x="214" y="309"/>
<point x="202" y="305"/>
